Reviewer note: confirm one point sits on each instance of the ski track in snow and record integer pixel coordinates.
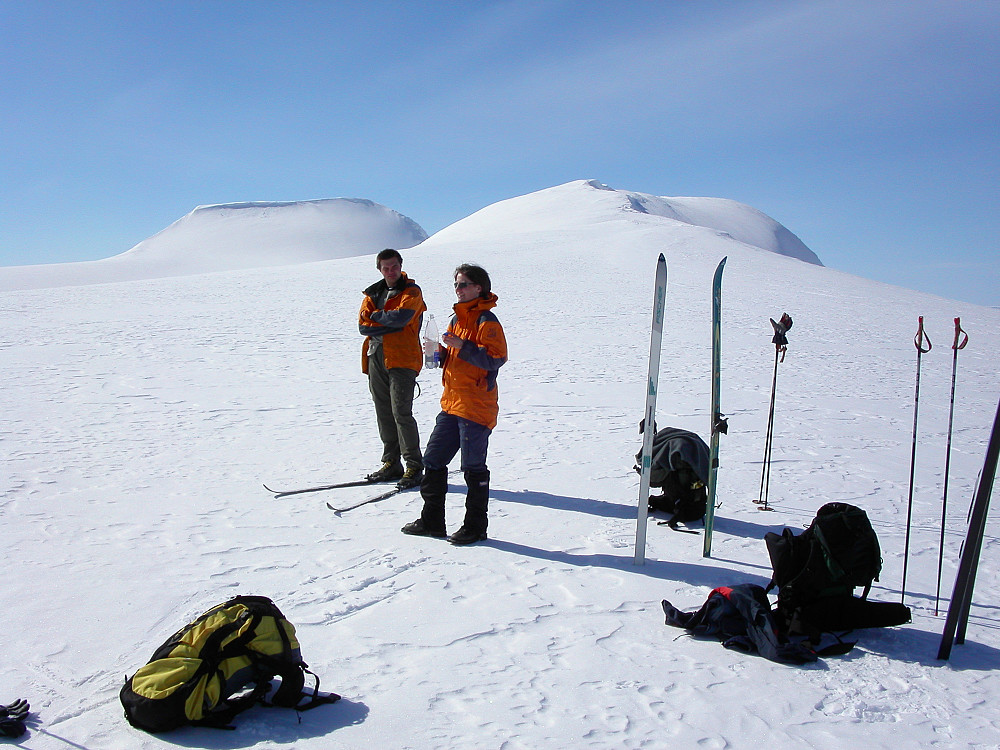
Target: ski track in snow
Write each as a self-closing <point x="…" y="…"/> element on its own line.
<point x="141" y="418"/>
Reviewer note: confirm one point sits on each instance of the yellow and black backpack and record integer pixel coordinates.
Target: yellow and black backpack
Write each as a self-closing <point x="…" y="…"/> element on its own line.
<point x="219" y="665"/>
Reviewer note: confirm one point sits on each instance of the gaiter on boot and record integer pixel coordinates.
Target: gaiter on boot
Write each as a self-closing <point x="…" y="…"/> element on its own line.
<point x="477" y="500"/>
<point x="433" y="489"/>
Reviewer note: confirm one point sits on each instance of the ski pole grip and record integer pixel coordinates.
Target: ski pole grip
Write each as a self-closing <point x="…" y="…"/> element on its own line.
<point x="921" y="337"/>
<point x="959" y="333"/>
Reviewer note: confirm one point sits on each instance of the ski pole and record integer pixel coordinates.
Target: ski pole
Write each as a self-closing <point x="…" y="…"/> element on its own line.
<point x="765" y="471"/>
<point x="918" y="341"/>
<point x="780" y="342"/>
<point x="961" y="339"/>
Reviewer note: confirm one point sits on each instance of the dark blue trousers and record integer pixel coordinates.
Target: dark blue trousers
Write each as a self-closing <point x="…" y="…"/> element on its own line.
<point x="450" y="436"/>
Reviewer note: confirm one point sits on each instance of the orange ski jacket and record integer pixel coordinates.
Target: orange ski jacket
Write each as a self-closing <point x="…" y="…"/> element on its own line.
<point x="395" y="316"/>
<point x="470" y="373"/>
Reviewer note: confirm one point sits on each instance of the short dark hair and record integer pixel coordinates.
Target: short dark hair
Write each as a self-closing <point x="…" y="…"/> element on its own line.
<point x="477" y="275"/>
<point x="385" y="255"/>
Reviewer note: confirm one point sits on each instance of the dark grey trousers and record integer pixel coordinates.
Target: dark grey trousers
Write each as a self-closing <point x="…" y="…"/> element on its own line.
<point x="392" y="393"/>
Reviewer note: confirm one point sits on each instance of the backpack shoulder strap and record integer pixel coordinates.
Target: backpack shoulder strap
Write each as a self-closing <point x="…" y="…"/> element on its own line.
<point x="292" y="697"/>
<point x="222" y="715"/>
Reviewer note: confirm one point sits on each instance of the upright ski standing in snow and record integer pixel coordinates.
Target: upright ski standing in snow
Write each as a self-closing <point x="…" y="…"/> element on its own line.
<point x="719" y="424"/>
<point x="649" y="422"/>
<point x="961" y="598"/>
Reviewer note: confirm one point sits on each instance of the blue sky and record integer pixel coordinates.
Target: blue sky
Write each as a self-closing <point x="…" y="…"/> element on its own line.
<point x="868" y="128"/>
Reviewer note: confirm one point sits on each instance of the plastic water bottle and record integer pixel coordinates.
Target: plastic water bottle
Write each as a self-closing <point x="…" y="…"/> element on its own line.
<point x="432" y="357"/>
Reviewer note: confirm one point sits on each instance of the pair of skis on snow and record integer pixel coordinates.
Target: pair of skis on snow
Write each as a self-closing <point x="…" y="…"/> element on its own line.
<point x="356" y="483"/>
<point x="718" y="426"/>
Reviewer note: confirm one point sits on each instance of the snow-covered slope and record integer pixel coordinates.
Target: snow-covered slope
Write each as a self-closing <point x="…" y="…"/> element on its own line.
<point x="140" y="419"/>
<point x="238" y="235"/>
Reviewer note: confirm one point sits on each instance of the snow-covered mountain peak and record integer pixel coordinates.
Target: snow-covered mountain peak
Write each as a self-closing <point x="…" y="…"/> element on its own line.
<point x="583" y="202"/>
<point x="235" y="236"/>
<point x="260" y="233"/>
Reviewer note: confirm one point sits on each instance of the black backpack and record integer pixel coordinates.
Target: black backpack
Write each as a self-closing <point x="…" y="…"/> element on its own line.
<point x="684" y="496"/>
<point x="838" y="552"/>
<point x="679" y="467"/>
<point x="218" y="665"/>
<point x="817" y="571"/>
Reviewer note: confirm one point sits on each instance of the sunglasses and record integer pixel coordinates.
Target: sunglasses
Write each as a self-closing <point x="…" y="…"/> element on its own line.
<point x="463" y="284"/>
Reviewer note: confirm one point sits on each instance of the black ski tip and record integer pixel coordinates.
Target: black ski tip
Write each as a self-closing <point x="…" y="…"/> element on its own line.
<point x="278" y="493"/>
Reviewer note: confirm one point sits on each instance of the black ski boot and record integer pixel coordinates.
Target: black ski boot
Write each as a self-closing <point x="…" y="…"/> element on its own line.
<point x="417" y="528"/>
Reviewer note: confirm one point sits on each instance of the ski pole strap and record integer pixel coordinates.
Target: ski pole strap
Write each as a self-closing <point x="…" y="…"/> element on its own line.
<point x="780" y="341"/>
<point x="921" y="337"/>
<point x="959" y="333"/>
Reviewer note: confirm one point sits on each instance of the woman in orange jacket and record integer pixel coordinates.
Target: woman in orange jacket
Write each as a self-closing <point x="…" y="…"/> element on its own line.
<point x="474" y="350"/>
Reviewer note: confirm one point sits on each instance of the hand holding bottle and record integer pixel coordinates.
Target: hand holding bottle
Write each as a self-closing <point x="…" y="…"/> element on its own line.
<point x="452" y="341"/>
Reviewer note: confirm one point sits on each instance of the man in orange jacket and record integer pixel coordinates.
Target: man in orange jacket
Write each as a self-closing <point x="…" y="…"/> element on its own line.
<point x="390" y="319"/>
<point x="474" y="350"/>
